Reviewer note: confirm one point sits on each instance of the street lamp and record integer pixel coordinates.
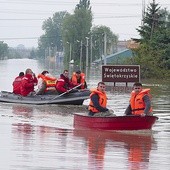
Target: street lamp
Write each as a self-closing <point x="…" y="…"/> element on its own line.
<point x="105" y="47"/>
<point x="91" y="50"/>
<point x="87" y="52"/>
<point x="81" y="52"/>
<point x="70" y="49"/>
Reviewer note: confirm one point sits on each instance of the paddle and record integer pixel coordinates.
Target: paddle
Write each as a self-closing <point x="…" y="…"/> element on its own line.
<point x="66" y="92"/>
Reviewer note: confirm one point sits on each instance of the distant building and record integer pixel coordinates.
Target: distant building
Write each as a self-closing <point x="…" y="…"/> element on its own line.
<point x="131" y="44"/>
<point x="121" y="53"/>
<point x="59" y="58"/>
<point x="116" y="57"/>
<point x="20" y="47"/>
<point x="121" y="45"/>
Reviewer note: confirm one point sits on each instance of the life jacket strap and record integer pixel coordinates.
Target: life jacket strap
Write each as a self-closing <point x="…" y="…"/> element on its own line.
<point x="138" y="109"/>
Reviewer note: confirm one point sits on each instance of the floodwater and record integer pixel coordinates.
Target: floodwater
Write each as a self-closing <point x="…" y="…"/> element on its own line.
<point x="43" y="137"/>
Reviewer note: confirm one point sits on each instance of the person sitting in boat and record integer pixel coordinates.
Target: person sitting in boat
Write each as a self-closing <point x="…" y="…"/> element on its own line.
<point x="79" y="78"/>
<point x="17" y="83"/>
<point x="64" y="84"/>
<point x="140" y="101"/>
<point x="28" y="82"/>
<point x="98" y="102"/>
<point x="46" y="83"/>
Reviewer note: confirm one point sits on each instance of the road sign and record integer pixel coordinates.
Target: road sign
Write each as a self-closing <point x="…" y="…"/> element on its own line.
<point x="121" y="73"/>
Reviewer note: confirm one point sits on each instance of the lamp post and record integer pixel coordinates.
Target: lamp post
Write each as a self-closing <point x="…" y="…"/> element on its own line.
<point x="70" y="49"/>
<point x="105" y="43"/>
<point x="91" y="50"/>
<point x="87" y="54"/>
<point x="81" y="52"/>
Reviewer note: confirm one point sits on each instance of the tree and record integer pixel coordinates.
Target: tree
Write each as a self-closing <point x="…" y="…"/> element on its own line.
<point x="151" y="22"/>
<point x="98" y="33"/>
<point x="3" y="50"/>
<point x="32" y="54"/>
<point x="53" y="28"/>
<point x="76" y="28"/>
<point x="154" y="54"/>
<point x="52" y="38"/>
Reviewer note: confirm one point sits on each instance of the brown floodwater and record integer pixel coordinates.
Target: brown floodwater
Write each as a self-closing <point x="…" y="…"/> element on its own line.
<point x="34" y="137"/>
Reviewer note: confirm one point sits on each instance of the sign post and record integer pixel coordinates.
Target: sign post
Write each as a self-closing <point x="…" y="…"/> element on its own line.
<point x="121" y="73"/>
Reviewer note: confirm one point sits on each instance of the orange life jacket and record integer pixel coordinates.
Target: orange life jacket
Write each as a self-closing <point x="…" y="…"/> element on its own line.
<point x="97" y="148"/>
<point x="75" y="81"/>
<point x="137" y="103"/>
<point x="135" y="154"/>
<point x="50" y="82"/>
<point x="102" y="100"/>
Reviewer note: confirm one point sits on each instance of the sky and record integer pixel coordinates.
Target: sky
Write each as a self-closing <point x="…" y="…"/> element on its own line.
<point x="21" y="20"/>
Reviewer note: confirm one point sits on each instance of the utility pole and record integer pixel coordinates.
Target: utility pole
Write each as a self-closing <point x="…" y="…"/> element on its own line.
<point x="87" y="54"/>
<point x="143" y="10"/>
<point x="91" y="50"/>
<point x="70" y="46"/>
<point x="70" y="51"/>
<point x="81" y="53"/>
<point x="105" y="43"/>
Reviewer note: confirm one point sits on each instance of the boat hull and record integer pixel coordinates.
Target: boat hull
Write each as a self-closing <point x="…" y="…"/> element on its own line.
<point x="114" y="123"/>
<point x="76" y="98"/>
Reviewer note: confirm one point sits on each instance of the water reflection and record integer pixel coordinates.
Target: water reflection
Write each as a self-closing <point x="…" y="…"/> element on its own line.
<point x="22" y="110"/>
<point x="42" y="137"/>
<point x="136" y="147"/>
<point x="37" y="147"/>
<point x="27" y="130"/>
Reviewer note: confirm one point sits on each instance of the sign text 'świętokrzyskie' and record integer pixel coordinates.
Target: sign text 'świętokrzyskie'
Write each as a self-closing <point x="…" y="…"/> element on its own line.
<point x="121" y="73"/>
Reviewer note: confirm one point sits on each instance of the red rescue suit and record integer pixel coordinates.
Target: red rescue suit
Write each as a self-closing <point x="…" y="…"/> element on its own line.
<point x="27" y="84"/>
<point x="17" y="84"/>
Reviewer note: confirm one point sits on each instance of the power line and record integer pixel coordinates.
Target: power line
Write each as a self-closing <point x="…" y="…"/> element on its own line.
<point x="97" y="17"/>
<point x="132" y="16"/>
<point x="20" y="38"/>
<point x="27" y="38"/>
<point x="18" y="19"/>
<point x="16" y="38"/>
<point x="48" y="2"/>
<point x="39" y="3"/>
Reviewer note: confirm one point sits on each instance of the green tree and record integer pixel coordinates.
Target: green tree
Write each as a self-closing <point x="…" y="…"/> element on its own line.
<point x="98" y="33"/>
<point x="151" y="22"/>
<point x="76" y="28"/>
<point x="52" y="28"/>
<point x="32" y="54"/>
<point x="154" y="54"/>
<point x="52" y="38"/>
<point x="3" y="50"/>
<point x="14" y="53"/>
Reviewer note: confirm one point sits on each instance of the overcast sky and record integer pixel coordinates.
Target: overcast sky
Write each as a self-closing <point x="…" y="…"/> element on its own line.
<point x="21" y="20"/>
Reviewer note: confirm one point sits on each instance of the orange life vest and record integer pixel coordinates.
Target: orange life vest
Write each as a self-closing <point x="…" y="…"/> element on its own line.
<point x="135" y="154"/>
<point x="50" y="82"/>
<point x="82" y="80"/>
<point x="102" y="100"/>
<point x="97" y="148"/>
<point x="137" y="103"/>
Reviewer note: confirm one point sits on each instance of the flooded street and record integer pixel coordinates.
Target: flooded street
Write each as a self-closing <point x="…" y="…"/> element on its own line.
<point x="42" y="137"/>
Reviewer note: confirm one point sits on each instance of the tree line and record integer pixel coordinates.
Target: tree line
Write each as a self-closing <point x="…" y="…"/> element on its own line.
<point x="74" y="35"/>
<point x="153" y="54"/>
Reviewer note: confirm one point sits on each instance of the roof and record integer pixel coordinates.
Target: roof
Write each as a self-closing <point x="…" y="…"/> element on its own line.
<point x="114" y="57"/>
